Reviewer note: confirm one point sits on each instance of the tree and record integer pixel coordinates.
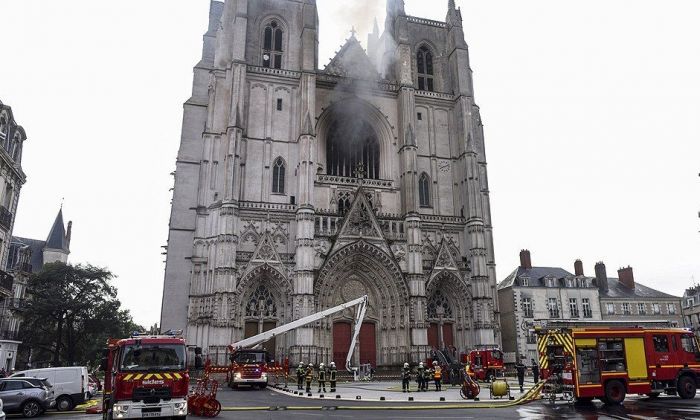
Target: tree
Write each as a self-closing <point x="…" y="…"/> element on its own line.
<point x="71" y="312"/>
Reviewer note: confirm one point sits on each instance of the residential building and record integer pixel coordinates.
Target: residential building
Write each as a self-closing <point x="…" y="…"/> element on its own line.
<point x="691" y="309"/>
<point x="532" y="293"/>
<point x="299" y="188"/>
<point x="624" y="299"/>
<point x="12" y="137"/>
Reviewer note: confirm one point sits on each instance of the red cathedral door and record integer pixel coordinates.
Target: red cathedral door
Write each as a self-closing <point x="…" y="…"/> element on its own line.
<point x="433" y="338"/>
<point x="342" y="334"/>
<point x="447" y="335"/>
<point x="368" y="344"/>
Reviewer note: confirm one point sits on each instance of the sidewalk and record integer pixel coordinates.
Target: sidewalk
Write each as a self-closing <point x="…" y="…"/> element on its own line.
<point x="391" y="391"/>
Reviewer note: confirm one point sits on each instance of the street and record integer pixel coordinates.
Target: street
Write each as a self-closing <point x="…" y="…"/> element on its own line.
<point x="276" y="404"/>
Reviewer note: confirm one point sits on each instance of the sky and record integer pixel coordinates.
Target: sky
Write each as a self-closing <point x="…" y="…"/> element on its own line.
<point x="591" y="114"/>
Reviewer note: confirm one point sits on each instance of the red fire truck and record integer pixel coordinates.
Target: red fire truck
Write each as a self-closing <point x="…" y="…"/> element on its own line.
<point x="145" y="376"/>
<point x="486" y="361"/>
<point x="609" y="362"/>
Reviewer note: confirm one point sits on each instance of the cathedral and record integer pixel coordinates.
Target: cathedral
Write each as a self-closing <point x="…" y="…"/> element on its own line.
<point x="299" y="188"/>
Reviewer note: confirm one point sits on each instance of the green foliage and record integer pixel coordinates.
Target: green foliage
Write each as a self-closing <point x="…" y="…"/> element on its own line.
<point x="71" y="312"/>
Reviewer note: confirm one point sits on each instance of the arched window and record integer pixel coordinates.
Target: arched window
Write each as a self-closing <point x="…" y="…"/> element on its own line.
<point x="261" y="303"/>
<point x="424" y="190"/>
<point x="278" y="176"/>
<point x="272" y="45"/>
<point x="439" y="300"/>
<point x="424" y="63"/>
<point x="343" y="206"/>
<point x="352" y="148"/>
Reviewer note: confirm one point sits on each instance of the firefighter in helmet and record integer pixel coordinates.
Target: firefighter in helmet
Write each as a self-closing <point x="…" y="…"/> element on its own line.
<point x="420" y="374"/>
<point x="437" y="375"/>
<point x="300" y="375"/>
<point x="309" y="375"/>
<point x="427" y="377"/>
<point x="321" y="377"/>
<point x="405" y="377"/>
<point x="332" y="373"/>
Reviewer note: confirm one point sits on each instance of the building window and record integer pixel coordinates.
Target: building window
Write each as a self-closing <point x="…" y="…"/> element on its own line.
<point x="642" y="308"/>
<point x="527" y="307"/>
<point x="569" y="282"/>
<point x="671" y="308"/>
<point x="352" y="145"/>
<point x="573" y="307"/>
<point x="279" y="104"/>
<point x="626" y="309"/>
<point x="424" y="62"/>
<point x="420" y="117"/>
<point x="278" y="176"/>
<point x="689" y="302"/>
<point x="424" y="190"/>
<point x="524" y="281"/>
<point x="610" y="308"/>
<point x="272" y="46"/>
<point x="550" y="282"/>
<point x="586" y="303"/>
<point x="553" y="307"/>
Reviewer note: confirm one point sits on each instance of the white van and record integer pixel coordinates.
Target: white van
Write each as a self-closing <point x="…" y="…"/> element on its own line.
<point x="70" y="384"/>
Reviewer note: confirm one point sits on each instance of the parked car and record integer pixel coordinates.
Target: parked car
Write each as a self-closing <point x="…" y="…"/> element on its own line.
<point x="22" y="395"/>
<point x="70" y="384"/>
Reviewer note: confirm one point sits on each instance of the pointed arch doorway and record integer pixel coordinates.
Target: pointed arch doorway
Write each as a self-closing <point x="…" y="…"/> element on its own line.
<point x="342" y="337"/>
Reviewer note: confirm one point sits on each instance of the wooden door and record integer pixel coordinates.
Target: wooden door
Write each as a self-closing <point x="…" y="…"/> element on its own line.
<point x="270" y="345"/>
<point x="368" y="344"/>
<point x="342" y="334"/>
<point x="447" y="335"/>
<point x="433" y="336"/>
<point x="251" y="329"/>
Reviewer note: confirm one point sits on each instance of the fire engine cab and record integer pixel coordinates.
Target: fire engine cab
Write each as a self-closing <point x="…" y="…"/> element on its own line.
<point x="609" y="362"/>
<point x="486" y="361"/>
<point x="145" y="376"/>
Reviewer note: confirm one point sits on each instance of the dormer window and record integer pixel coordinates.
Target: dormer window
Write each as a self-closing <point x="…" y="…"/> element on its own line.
<point x="524" y="281"/>
<point x="424" y="63"/>
<point x="550" y="282"/>
<point x="272" y="46"/>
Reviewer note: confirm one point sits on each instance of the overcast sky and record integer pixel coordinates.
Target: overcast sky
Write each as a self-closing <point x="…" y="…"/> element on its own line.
<point x="591" y="112"/>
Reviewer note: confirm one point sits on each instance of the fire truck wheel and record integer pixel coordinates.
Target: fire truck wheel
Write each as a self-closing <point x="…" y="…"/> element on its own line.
<point x="614" y="392"/>
<point x="686" y="387"/>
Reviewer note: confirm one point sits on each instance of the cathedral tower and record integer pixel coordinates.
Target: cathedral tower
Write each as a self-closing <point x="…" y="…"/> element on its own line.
<point x="308" y="188"/>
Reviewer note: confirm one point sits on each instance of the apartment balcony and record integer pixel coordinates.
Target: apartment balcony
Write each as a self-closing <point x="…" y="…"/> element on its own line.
<point x="5" y="218"/>
<point x="9" y="335"/>
<point x="6" y="281"/>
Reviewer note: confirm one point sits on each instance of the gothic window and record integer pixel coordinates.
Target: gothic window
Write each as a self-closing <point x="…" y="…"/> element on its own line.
<point x="261" y="303"/>
<point x="272" y="45"/>
<point x="424" y="62"/>
<point x="352" y="148"/>
<point x="424" y="190"/>
<point x="439" y="300"/>
<point x="343" y="206"/>
<point x="278" y="176"/>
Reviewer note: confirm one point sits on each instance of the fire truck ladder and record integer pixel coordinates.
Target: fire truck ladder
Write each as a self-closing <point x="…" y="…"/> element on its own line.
<point x="267" y="335"/>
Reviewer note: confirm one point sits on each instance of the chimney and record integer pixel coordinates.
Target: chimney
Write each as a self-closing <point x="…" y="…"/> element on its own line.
<point x="525" y="261"/>
<point x="578" y="268"/>
<point x="626" y="277"/>
<point x="601" y="277"/>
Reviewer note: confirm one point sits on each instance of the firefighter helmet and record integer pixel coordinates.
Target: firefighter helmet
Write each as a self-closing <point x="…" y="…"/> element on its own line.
<point x="405" y="365"/>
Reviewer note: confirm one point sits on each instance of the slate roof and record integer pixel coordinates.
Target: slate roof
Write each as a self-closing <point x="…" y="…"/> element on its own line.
<point x="37" y="248"/>
<point x="57" y="235"/>
<point x="535" y="275"/>
<point x="618" y="291"/>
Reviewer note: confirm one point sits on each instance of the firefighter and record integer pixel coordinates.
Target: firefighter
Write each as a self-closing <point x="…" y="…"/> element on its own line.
<point x="405" y="377"/>
<point x="420" y="375"/>
<point x="437" y="376"/>
<point x="332" y="375"/>
<point x="309" y="376"/>
<point x="300" y="376"/>
<point x="520" y="369"/>
<point x="321" y="377"/>
<point x="427" y="377"/>
<point x="535" y="371"/>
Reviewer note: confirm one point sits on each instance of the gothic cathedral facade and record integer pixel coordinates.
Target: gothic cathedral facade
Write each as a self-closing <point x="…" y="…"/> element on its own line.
<point x="299" y="188"/>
